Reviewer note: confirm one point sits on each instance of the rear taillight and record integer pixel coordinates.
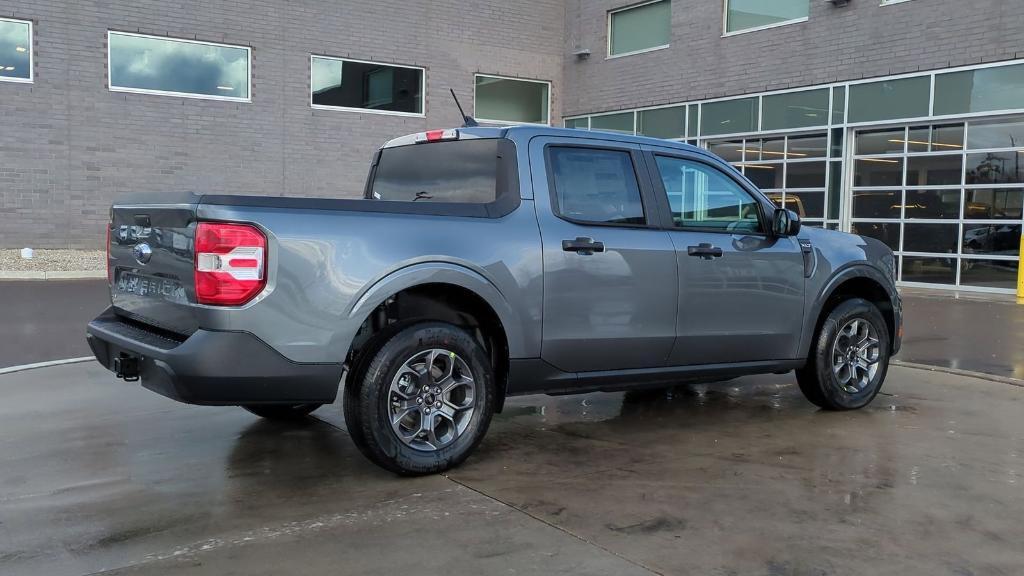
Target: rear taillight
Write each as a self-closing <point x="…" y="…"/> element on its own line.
<point x="230" y="263"/>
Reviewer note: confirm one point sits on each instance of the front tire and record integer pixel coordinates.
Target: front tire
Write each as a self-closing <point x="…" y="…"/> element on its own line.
<point x="282" y="411"/>
<point x="849" y="358"/>
<point x="424" y="401"/>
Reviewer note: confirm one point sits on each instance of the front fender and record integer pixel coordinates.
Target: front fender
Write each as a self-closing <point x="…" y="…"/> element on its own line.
<point x="440" y="273"/>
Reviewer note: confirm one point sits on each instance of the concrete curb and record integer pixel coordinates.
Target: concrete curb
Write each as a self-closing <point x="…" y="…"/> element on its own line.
<point x="958" y="372"/>
<point x="52" y="275"/>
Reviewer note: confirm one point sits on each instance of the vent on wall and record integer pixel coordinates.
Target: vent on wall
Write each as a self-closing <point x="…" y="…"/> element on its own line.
<point x="838" y="2"/>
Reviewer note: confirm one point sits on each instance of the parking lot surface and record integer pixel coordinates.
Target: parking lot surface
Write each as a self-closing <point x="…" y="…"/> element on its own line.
<point x="743" y="477"/>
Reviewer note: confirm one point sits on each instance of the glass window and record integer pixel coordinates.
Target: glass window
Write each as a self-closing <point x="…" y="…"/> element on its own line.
<point x="838" y="104"/>
<point x="766" y="149"/>
<point x="622" y="122"/>
<point x="878" y="172"/>
<point x="999" y="239"/>
<point x="935" y="170"/>
<point x="995" y="168"/>
<point x="749" y="14"/>
<point x="835" y="182"/>
<point x="929" y="270"/>
<point x="662" y="122"/>
<point x="354" y="85"/>
<point x="805" y="175"/>
<point x="795" y="110"/>
<point x="806" y="203"/>
<point x="890" y="99"/>
<point x="577" y="123"/>
<point x="994" y="204"/>
<point x="937" y="238"/>
<point x="997" y="134"/>
<point x="948" y="138"/>
<point x="15" y="50"/>
<point x="989" y="273"/>
<point x="876" y="203"/>
<point x="640" y="28"/>
<point x="701" y="196"/>
<point x="880" y="142"/>
<point x="932" y="204"/>
<point x="729" y="116"/>
<point x="178" y="67"/>
<point x="455" y="171"/>
<point x="730" y="151"/>
<point x="807" y="147"/>
<point x="514" y="101"/>
<point x="765" y="176"/>
<point x="887" y="232"/>
<point x="836" y="151"/>
<point x="598" y="186"/>
<point x="692" y="120"/>
<point x="983" y="90"/>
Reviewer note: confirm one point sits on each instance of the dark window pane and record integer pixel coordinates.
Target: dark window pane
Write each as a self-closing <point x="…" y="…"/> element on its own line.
<point x="764" y="176"/>
<point x="989" y="273"/>
<point x="746" y="14"/>
<point x="805" y="175"/>
<point x="596" y="186"/>
<point x="577" y="123"/>
<point x="458" y="171"/>
<point x="995" y="168"/>
<point x="995" y="134"/>
<point x="347" y="84"/>
<point x="806" y="203"/>
<point x="880" y="142"/>
<point x="984" y="90"/>
<point x="178" y="66"/>
<point x="640" y="28"/>
<point x="835" y="180"/>
<point x="837" y="143"/>
<point x="662" y="122"/>
<point x="937" y="238"/>
<point x="838" y="104"/>
<point x="929" y="270"/>
<point x="933" y="204"/>
<point x="876" y="204"/>
<point x="878" y="172"/>
<point x="730" y="151"/>
<point x="692" y="119"/>
<point x="509" y="100"/>
<point x="766" y="149"/>
<point x="702" y="197"/>
<point x="795" y="110"/>
<point x="1000" y="239"/>
<point x="935" y="170"/>
<point x="622" y="122"/>
<point x="890" y="99"/>
<point x="729" y="116"/>
<point x="948" y="138"/>
<point x="15" y="50"/>
<point x="994" y="204"/>
<point x="887" y="232"/>
<point x="919" y="139"/>
<point x="807" y="147"/>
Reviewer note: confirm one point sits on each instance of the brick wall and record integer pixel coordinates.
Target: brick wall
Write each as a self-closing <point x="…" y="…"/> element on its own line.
<point x="68" y="146"/>
<point x="859" y="40"/>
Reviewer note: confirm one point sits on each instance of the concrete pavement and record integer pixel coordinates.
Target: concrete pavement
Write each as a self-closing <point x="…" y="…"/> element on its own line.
<point x="743" y="477"/>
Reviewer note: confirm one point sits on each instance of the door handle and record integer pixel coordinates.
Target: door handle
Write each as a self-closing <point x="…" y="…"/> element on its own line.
<point x="583" y="246"/>
<point x="705" y="251"/>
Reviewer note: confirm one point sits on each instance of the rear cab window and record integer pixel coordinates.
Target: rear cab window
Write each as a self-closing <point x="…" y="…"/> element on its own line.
<point x="461" y="171"/>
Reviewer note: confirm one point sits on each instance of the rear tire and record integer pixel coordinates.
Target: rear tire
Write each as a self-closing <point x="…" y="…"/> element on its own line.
<point x="849" y="357"/>
<point x="423" y="402"/>
<point x="282" y="411"/>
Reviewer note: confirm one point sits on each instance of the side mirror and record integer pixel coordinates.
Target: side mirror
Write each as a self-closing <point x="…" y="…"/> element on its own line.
<point x="785" y="222"/>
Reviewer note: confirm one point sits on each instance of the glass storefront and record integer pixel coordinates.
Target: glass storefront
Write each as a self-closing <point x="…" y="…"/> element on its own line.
<point x="931" y="164"/>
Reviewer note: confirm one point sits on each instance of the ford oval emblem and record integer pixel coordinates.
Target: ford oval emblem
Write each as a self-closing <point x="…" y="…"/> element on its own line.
<point x="142" y="253"/>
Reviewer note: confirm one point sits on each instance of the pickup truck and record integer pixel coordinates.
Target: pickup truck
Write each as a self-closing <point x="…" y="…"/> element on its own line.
<point x="484" y="263"/>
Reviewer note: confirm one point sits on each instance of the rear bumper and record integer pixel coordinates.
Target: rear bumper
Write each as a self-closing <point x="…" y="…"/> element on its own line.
<point x="213" y="368"/>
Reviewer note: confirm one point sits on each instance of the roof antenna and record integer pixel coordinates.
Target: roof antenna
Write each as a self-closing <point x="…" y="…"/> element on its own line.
<point x="467" y="121"/>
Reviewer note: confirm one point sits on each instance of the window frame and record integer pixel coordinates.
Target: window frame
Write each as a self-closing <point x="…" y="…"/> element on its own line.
<point x="506" y="122"/>
<point x="648" y="202"/>
<point x="725" y="22"/>
<point x="31" y="52"/>
<point x="666" y="207"/>
<point x="423" y="88"/>
<point x="608" y="48"/>
<point x="190" y="95"/>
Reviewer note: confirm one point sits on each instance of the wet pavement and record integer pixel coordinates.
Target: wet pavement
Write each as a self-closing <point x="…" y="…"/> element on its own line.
<point x="743" y="477"/>
<point x="45" y="320"/>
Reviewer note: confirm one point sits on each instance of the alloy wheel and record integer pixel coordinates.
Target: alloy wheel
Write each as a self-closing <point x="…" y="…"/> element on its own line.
<point x="855" y="355"/>
<point x="431" y="399"/>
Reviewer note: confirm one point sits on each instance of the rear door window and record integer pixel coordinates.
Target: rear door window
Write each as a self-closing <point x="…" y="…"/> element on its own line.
<point x="460" y="171"/>
<point x="597" y="186"/>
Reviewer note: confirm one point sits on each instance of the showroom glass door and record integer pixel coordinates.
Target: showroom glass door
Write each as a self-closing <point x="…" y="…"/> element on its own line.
<point x="946" y="197"/>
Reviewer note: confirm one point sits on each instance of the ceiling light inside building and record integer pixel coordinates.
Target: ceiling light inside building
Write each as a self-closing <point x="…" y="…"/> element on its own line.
<point x="226" y="88"/>
<point x="20" y="49"/>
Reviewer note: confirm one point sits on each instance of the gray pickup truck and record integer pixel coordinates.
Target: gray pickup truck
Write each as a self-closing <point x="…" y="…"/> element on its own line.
<point x="485" y="263"/>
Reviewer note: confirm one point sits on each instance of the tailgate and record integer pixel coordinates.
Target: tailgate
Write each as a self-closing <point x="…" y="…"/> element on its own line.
<point x="151" y="260"/>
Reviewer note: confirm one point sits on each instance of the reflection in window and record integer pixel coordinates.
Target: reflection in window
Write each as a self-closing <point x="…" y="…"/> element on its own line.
<point x="878" y="172"/>
<point x="454" y="171"/>
<point x="982" y="90"/>
<point x="931" y="238"/>
<point x="613" y="122"/>
<point x="765" y="176"/>
<point x="339" y="83"/>
<point x="876" y="203"/>
<point x="929" y="270"/>
<point x="15" y="50"/>
<point x="997" y="134"/>
<point x="509" y="100"/>
<point x="994" y="204"/>
<point x="873" y="142"/>
<point x="997" y="239"/>
<point x="180" y="67"/>
<point x="795" y="110"/>
<point x="995" y="168"/>
<point x="934" y="170"/>
<point x="700" y="196"/>
<point x="662" y="122"/>
<point x="729" y="116"/>
<point x="989" y="273"/>
<point x="889" y="99"/>
<point x="748" y="14"/>
<point x="640" y="28"/>
<point x="598" y="186"/>
<point x="888" y="233"/>
<point x="932" y="204"/>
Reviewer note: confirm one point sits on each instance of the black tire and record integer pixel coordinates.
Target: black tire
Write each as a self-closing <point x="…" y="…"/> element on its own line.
<point x="820" y="383"/>
<point x="368" y="400"/>
<point x="281" y="411"/>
